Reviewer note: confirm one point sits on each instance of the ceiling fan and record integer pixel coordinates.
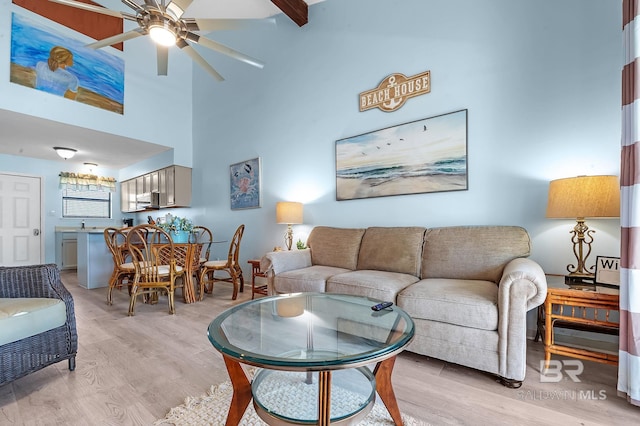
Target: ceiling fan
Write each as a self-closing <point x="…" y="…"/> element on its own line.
<point x="164" y="23"/>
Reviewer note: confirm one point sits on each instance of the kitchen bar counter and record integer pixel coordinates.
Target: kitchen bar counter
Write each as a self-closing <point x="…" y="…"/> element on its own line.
<point x="95" y="263"/>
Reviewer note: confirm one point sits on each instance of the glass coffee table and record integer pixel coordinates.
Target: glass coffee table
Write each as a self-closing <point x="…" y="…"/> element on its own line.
<point x="314" y="352"/>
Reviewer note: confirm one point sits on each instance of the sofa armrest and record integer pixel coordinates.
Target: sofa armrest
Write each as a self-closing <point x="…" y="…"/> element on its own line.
<point x="277" y="262"/>
<point x="525" y="280"/>
<point x="523" y="286"/>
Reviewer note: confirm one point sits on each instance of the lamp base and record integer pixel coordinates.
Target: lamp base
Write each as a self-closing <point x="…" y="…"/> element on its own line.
<point x="580" y="281"/>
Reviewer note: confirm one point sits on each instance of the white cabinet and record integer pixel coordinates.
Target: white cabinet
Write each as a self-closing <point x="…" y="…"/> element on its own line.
<point x="168" y="187"/>
<point x="66" y="250"/>
<point x="128" y="196"/>
<point x="69" y="253"/>
<point x="178" y="187"/>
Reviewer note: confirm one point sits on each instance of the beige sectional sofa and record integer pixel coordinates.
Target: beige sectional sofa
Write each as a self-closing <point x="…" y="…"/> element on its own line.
<point x="467" y="288"/>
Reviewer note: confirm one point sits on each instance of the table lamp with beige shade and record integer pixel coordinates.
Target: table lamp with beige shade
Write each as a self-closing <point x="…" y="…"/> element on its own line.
<point x="579" y="198"/>
<point x="289" y="213"/>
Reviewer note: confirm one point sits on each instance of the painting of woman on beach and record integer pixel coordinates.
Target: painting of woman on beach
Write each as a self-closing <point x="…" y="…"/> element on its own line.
<point x="428" y="155"/>
<point x="46" y="60"/>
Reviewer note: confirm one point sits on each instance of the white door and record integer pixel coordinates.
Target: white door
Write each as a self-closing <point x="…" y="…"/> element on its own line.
<point x="20" y="219"/>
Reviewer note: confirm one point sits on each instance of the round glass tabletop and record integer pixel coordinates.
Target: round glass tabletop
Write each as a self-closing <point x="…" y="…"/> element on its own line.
<point x="310" y="331"/>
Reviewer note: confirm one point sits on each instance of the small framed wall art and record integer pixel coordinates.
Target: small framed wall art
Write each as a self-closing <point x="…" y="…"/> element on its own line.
<point x="608" y="271"/>
<point x="245" y="181"/>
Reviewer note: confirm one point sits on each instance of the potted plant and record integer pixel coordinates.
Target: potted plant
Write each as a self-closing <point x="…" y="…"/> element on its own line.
<point x="178" y="227"/>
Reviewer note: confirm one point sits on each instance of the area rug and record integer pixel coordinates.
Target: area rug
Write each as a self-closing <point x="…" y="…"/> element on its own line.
<point x="211" y="409"/>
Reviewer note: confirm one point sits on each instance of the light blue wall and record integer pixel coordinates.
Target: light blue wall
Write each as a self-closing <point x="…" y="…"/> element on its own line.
<point x="157" y="109"/>
<point x="52" y="196"/>
<point x="540" y="79"/>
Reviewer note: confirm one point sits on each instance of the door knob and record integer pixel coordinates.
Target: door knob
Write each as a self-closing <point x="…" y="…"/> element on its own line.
<point x="36" y="232"/>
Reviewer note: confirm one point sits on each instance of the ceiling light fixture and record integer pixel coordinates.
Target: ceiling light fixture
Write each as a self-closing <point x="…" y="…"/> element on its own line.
<point x="163" y="34"/>
<point x="65" y="153"/>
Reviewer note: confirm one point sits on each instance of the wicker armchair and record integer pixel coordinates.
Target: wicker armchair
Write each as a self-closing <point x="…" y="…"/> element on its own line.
<point x="17" y="359"/>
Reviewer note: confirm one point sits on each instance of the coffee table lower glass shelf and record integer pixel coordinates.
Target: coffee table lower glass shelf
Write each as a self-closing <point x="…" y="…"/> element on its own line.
<point x="313" y="352"/>
<point x="353" y="394"/>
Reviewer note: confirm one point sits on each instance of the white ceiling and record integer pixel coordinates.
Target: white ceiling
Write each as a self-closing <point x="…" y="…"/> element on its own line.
<point x="29" y="136"/>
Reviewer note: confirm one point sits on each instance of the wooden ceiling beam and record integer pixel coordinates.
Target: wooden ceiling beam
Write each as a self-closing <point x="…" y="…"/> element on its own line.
<point x="91" y="24"/>
<point x="297" y="10"/>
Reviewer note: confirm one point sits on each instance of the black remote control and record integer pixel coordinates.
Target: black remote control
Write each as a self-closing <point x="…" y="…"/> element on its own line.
<point x="381" y="306"/>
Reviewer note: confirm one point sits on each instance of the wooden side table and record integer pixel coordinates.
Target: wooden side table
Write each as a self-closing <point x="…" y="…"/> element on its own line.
<point x="580" y="310"/>
<point x="256" y="272"/>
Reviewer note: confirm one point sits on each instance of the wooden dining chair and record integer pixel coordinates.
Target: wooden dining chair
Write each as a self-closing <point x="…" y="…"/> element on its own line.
<point x="154" y="258"/>
<point x="202" y="238"/>
<point x="123" y="268"/>
<point x="230" y="266"/>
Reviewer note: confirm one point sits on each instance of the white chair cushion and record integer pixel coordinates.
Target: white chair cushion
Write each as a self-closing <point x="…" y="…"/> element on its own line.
<point x="163" y="270"/>
<point x="215" y="264"/>
<point x="25" y="317"/>
<point x="128" y="266"/>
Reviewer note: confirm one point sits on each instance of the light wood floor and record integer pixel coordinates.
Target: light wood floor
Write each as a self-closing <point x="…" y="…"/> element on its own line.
<point x="132" y="370"/>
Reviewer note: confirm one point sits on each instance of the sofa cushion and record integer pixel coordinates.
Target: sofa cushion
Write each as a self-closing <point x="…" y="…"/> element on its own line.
<point x="472" y="252"/>
<point x="381" y="285"/>
<point x="396" y="249"/>
<point x="313" y="279"/>
<point x="468" y="303"/>
<point x="336" y="247"/>
<point x="27" y="316"/>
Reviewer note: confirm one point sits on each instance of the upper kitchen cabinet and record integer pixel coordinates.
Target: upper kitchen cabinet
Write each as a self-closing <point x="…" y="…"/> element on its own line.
<point x="168" y="187"/>
<point x="178" y="187"/>
<point x="128" y="196"/>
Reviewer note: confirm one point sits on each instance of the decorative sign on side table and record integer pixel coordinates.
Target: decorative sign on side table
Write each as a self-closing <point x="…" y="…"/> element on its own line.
<point x="608" y="271"/>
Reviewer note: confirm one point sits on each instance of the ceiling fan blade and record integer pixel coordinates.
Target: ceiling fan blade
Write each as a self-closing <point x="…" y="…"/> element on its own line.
<point x="133" y="5"/>
<point x="177" y="7"/>
<point x="163" y="59"/>
<point x="89" y="7"/>
<point x="221" y="48"/>
<point x="195" y="24"/>
<point x="195" y="56"/>
<point x="118" y="38"/>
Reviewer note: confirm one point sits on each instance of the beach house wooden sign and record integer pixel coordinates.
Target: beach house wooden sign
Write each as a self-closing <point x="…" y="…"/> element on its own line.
<point x="394" y="90"/>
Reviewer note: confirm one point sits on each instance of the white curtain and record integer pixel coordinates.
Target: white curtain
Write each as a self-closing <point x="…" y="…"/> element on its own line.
<point x="86" y="182"/>
<point x="629" y="352"/>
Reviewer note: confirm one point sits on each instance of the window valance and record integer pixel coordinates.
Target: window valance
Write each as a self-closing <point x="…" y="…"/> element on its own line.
<point x="86" y="182"/>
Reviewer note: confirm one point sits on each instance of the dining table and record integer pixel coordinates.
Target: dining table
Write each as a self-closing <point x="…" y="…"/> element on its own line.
<point x="187" y="257"/>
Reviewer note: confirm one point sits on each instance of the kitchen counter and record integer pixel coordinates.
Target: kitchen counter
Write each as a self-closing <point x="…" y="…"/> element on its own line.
<point x="95" y="263"/>
<point x="88" y="229"/>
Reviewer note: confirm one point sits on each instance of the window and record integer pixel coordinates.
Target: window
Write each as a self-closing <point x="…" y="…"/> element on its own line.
<point x="86" y="204"/>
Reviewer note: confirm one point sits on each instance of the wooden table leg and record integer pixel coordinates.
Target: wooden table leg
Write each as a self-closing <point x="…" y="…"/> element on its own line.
<point x="188" y="290"/>
<point x="324" y="398"/>
<point x="384" y="388"/>
<point x="548" y="333"/>
<point x="241" y="391"/>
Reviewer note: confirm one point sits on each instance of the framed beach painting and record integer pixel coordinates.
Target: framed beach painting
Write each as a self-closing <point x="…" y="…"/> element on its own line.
<point x="428" y="155"/>
<point x="46" y="59"/>
<point x="245" y="181"/>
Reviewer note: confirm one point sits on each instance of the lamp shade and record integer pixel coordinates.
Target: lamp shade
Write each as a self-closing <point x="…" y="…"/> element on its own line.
<point x="584" y="196"/>
<point x="288" y="212"/>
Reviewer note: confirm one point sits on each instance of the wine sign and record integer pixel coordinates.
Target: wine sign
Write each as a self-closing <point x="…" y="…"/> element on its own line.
<point x="394" y="90"/>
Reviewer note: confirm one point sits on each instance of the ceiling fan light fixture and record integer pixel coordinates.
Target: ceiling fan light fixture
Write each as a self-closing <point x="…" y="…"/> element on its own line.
<point x="65" y="153"/>
<point x="163" y="34"/>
